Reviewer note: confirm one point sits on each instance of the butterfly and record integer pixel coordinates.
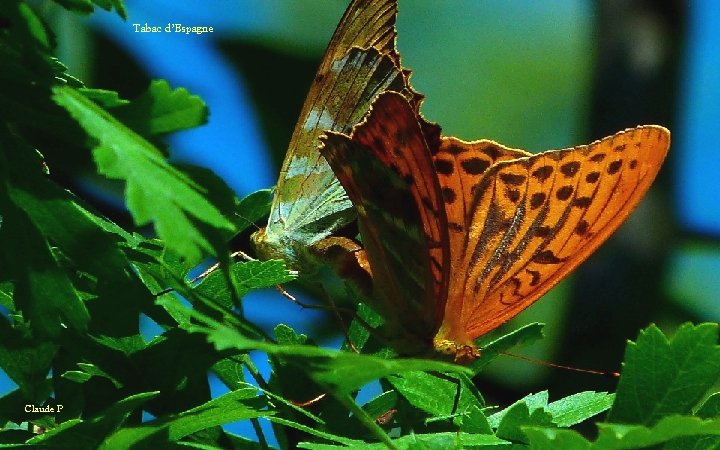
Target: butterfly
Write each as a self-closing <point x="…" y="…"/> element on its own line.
<point x="463" y="236"/>
<point x="309" y="206"/>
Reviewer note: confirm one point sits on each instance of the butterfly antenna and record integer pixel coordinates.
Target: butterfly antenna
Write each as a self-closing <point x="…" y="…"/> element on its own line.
<point x="332" y="307"/>
<point x="215" y="266"/>
<point x="307" y="403"/>
<point x="239" y="253"/>
<point x="253" y="224"/>
<point x="343" y="325"/>
<point x="604" y="373"/>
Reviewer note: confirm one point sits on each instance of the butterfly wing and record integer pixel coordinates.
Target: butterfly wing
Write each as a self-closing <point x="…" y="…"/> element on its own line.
<point x="460" y="166"/>
<point x="533" y="220"/>
<point x="387" y="170"/>
<point x="360" y="62"/>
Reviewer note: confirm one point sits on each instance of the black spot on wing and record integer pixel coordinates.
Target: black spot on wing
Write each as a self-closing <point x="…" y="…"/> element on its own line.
<point x="537" y="200"/>
<point x="543" y="231"/>
<point x="582" y="227"/>
<point x="454" y="149"/>
<point x="592" y="177"/>
<point x="449" y="195"/>
<point x="513" y="179"/>
<point x="542" y="173"/>
<point x="444" y="166"/>
<point x="535" y="277"/>
<point x="582" y="202"/>
<point x="454" y="226"/>
<point x="547" y="257"/>
<point x="513" y="195"/>
<point x="564" y="193"/>
<point x="570" y="169"/>
<point x="614" y="167"/>
<point x="492" y="151"/>
<point x="474" y="166"/>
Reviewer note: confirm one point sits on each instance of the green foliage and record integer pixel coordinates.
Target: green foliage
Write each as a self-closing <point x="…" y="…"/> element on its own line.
<point x="155" y="190"/>
<point x="73" y="286"/>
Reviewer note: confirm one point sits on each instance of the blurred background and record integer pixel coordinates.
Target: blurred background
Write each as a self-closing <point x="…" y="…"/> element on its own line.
<point x="533" y="75"/>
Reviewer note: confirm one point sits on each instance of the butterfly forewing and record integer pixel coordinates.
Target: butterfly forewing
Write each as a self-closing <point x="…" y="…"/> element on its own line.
<point x="545" y="214"/>
<point x="357" y="78"/>
<point x="360" y="62"/>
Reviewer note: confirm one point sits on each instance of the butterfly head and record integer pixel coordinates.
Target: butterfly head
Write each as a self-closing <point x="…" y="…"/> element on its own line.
<point x="460" y="353"/>
<point x="273" y="246"/>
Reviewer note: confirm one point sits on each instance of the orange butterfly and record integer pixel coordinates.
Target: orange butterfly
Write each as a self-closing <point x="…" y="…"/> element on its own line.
<point x="463" y="236"/>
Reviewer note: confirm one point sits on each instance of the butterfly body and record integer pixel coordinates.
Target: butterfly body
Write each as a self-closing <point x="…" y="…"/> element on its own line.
<point x="466" y="235"/>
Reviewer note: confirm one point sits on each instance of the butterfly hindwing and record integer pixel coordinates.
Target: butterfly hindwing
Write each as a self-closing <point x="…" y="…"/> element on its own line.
<point x="380" y="167"/>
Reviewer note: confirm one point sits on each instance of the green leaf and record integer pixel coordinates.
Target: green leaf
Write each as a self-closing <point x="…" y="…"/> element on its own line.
<point x="88" y="371"/>
<point x="474" y="420"/>
<point x="662" y="377"/>
<point x="241" y="404"/>
<point x="230" y="372"/>
<point x="161" y="110"/>
<point x="414" y="386"/>
<point x="532" y="401"/>
<point x="81" y="6"/>
<point x="529" y="411"/>
<point x="91" y="245"/>
<point x="286" y="335"/>
<point x="708" y="410"/>
<point x="359" y="332"/>
<point x="434" y="441"/>
<point x="340" y="372"/>
<point x="175" y="363"/>
<point x="534" y="410"/>
<point x="88" y="434"/>
<point x="107" y="5"/>
<point x="553" y="439"/>
<point x="252" y="208"/>
<point x="35" y="26"/>
<point x="250" y="275"/>
<point x="155" y="191"/>
<point x="103" y="97"/>
<point x="382" y="405"/>
<point x="42" y="290"/>
<point x="86" y="6"/>
<point x="579" y="407"/>
<point x="26" y="360"/>
<point x="616" y="436"/>
<point x="710" y="407"/>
